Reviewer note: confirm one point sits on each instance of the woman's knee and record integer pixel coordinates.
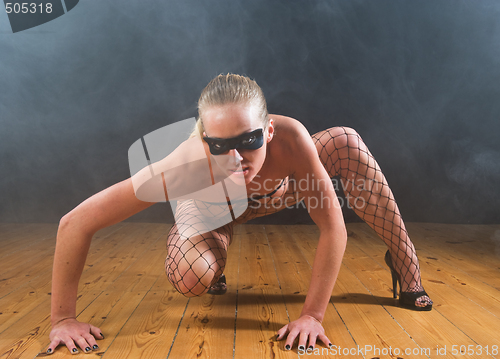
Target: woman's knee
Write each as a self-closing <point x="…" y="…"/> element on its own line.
<point x="191" y="284"/>
<point x="194" y="266"/>
<point x="347" y="137"/>
<point x="342" y="137"/>
<point x="194" y="280"/>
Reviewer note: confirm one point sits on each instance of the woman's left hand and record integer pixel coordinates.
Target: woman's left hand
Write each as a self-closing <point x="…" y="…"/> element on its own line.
<point x="307" y="329"/>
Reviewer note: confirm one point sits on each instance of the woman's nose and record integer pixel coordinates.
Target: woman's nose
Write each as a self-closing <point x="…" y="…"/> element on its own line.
<point x="237" y="157"/>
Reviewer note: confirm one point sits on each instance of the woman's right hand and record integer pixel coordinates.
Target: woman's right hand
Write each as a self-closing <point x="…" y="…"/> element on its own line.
<point x="72" y="333"/>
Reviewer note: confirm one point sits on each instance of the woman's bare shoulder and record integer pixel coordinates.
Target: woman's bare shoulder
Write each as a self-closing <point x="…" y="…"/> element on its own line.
<point x="288" y="125"/>
<point x="284" y="120"/>
<point x="290" y="130"/>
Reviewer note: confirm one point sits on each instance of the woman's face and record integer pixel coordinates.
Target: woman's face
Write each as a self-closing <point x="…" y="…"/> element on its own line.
<point x="230" y="121"/>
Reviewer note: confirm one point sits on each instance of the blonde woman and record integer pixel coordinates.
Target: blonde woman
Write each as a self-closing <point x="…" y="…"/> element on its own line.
<point x="272" y="156"/>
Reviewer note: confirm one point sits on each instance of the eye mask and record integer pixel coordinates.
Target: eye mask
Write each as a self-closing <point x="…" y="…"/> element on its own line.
<point x="247" y="141"/>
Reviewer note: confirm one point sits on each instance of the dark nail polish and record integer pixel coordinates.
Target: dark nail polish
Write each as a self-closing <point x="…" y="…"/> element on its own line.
<point x="49" y="350"/>
<point x="95" y="347"/>
<point x="301" y="347"/>
<point x="102" y="335"/>
<point x="330" y="345"/>
<point x="287" y="347"/>
<point x="74" y="350"/>
<point x="310" y="348"/>
<point x="277" y="336"/>
<point x="87" y="349"/>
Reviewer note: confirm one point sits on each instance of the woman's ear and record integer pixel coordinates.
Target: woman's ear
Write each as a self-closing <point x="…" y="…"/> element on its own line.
<point x="270" y="130"/>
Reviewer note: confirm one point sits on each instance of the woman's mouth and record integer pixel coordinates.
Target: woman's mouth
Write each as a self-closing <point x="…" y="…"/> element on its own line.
<point x="240" y="171"/>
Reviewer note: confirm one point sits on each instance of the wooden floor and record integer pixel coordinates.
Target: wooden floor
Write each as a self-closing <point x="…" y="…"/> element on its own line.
<point x="125" y="292"/>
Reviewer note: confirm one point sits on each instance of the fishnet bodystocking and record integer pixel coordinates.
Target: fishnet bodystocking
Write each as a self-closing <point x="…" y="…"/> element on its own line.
<point x="197" y="256"/>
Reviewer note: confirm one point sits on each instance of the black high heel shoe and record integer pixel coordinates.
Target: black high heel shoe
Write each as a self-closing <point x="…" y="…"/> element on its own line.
<point x="220" y="287"/>
<point x="406" y="299"/>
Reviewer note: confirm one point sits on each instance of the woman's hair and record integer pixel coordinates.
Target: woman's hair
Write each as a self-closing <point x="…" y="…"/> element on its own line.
<point x="230" y="88"/>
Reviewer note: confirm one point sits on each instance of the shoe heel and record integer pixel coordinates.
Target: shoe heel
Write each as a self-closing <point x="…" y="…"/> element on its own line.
<point x="395" y="280"/>
<point x="394" y="284"/>
<point x="406" y="299"/>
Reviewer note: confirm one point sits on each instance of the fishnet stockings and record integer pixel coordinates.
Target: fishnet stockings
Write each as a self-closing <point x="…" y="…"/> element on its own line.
<point x="196" y="256"/>
<point x="344" y="154"/>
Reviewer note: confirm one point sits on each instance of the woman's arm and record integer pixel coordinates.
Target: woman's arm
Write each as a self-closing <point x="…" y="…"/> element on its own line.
<point x="74" y="235"/>
<point x="323" y="206"/>
<point x="104" y="209"/>
<point x="326" y="267"/>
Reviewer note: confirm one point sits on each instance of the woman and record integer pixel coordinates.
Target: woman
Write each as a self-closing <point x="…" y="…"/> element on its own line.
<point x="272" y="157"/>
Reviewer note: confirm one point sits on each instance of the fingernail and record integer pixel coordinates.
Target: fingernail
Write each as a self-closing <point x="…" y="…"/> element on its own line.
<point x="287" y="347"/>
<point x="74" y="350"/>
<point x="301" y="347"/>
<point x="102" y="335"/>
<point x="330" y="345"/>
<point x="277" y="336"/>
<point x="49" y="350"/>
<point x="310" y="348"/>
<point x="87" y="349"/>
<point x="95" y="347"/>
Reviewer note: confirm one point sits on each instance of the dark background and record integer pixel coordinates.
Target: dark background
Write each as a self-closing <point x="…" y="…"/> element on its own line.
<point x="419" y="80"/>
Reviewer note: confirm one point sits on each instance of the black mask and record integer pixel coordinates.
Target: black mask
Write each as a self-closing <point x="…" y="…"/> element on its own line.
<point x="247" y="141"/>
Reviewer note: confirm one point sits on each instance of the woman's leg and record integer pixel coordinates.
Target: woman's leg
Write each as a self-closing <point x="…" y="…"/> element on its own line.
<point x="196" y="256"/>
<point x="344" y="154"/>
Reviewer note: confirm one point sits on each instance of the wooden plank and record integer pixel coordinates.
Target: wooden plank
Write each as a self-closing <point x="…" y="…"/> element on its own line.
<point x="480" y="238"/>
<point x="33" y="266"/>
<point x="102" y="271"/>
<point x="482" y="266"/>
<point x="470" y="243"/>
<point x="37" y="251"/>
<point x="428" y="329"/>
<point x="113" y="307"/>
<point x="22" y="295"/>
<point x="122" y="296"/>
<point x="109" y="312"/>
<point x="207" y="329"/>
<point x="11" y="232"/>
<point x="22" y="309"/>
<point x="136" y="293"/>
<point x="462" y="283"/>
<point x="369" y="323"/>
<point x="21" y="302"/>
<point x="28" y="235"/>
<point x="261" y="311"/>
<point x="27" y="337"/>
<point x="23" y="266"/>
<point x="142" y="274"/>
<point x="294" y="272"/>
<point x="151" y="328"/>
<point x="10" y="227"/>
<point x="422" y="327"/>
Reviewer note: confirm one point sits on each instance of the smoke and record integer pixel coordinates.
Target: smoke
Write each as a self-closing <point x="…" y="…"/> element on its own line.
<point x="419" y="81"/>
<point x="474" y="166"/>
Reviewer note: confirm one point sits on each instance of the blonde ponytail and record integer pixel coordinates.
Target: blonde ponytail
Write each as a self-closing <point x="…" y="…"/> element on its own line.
<point x="197" y="129"/>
